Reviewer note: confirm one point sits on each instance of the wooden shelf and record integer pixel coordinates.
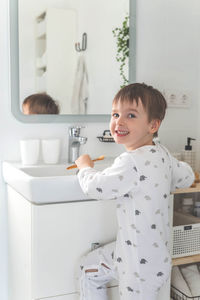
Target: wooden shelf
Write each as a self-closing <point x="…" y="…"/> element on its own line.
<point x="185" y="260"/>
<point x="188" y="190"/>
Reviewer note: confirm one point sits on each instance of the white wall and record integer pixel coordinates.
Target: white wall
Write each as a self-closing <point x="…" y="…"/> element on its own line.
<point x="168" y="58"/>
<point x="177" y="126"/>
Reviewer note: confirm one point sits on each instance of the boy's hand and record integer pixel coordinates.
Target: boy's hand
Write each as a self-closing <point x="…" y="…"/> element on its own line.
<point x="84" y="161"/>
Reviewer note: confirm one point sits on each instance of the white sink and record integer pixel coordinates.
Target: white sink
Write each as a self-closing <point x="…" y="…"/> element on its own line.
<point x="41" y="184"/>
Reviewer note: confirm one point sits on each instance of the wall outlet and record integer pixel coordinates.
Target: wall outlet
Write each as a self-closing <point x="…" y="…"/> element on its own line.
<point x="184" y="100"/>
<point x="172" y="99"/>
<point x="178" y="99"/>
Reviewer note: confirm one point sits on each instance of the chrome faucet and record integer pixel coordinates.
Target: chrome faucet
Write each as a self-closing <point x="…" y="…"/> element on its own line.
<point x="75" y="141"/>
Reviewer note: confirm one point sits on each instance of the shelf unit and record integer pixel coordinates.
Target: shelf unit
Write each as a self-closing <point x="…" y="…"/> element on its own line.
<point x="41" y="46"/>
<point x="55" y="54"/>
<point x="190" y="259"/>
<point x="190" y="220"/>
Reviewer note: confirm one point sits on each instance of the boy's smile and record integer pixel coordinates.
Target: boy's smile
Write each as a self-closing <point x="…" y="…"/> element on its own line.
<point x="121" y="132"/>
<point x="129" y="125"/>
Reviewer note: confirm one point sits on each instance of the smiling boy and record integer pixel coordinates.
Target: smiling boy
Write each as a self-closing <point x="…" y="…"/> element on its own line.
<point x="141" y="180"/>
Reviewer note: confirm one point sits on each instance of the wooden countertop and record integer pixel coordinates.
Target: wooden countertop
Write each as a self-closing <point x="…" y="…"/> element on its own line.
<point x="185" y="260"/>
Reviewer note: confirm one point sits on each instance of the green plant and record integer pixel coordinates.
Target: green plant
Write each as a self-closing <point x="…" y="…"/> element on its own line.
<point x="122" y="36"/>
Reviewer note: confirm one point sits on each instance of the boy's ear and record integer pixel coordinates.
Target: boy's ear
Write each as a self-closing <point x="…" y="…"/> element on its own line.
<point x="154" y="125"/>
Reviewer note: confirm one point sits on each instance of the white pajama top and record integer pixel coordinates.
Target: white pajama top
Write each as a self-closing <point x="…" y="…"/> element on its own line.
<point x="141" y="182"/>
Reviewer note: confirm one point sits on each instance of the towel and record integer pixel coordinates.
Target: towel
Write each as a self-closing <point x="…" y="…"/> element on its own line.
<point x="192" y="277"/>
<point x="80" y="90"/>
<point x="178" y="281"/>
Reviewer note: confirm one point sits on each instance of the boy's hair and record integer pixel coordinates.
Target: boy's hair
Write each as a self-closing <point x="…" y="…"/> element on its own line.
<point x="41" y="103"/>
<point x="152" y="100"/>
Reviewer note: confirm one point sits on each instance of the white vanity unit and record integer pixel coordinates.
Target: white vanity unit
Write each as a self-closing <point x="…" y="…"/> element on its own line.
<point x="50" y="229"/>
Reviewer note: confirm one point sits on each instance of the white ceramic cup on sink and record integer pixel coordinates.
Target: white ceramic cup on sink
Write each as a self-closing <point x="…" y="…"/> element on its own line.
<point x="51" y="151"/>
<point x="30" y="150"/>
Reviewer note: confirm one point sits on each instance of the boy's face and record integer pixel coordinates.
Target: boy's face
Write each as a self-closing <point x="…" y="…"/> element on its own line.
<point x="129" y="125"/>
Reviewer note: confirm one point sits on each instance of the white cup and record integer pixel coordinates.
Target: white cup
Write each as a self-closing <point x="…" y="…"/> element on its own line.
<point x="51" y="151"/>
<point x="30" y="150"/>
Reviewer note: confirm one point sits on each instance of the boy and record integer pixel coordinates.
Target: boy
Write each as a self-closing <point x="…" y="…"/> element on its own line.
<point x="141" y="180"/>
<point x="40" y="103"/>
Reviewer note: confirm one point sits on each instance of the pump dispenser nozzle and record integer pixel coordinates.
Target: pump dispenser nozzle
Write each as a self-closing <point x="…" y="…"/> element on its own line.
<point x="188" y="146"/>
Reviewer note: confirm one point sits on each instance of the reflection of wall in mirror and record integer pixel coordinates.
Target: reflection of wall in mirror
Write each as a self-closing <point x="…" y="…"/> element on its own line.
<point x="97" y="19"/>
<point x="103" y="69"/>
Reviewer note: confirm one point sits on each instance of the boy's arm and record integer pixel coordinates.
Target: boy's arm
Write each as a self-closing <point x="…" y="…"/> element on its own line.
<point x="182" y="175"/>
<point x="111" y="183"/>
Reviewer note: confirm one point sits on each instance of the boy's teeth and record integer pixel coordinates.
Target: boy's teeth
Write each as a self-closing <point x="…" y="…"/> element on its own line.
<point x="122" y="132"/>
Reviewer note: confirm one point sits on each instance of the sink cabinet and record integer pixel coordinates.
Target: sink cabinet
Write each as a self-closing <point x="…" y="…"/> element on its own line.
<point x="47" y="241"/>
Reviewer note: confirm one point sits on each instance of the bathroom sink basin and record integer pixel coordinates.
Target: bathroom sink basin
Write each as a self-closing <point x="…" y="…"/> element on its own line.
<point x="42" y="184"/>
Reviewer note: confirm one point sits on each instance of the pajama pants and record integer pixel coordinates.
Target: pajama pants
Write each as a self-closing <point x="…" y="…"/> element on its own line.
<point x="93" y="285"/>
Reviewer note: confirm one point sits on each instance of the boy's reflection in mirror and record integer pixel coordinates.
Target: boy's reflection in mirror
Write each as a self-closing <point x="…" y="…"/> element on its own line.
<point x="40" y="103"/>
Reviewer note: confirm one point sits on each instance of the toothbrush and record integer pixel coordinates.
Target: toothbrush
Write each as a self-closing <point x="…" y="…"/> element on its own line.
<point x="96" y="159"/>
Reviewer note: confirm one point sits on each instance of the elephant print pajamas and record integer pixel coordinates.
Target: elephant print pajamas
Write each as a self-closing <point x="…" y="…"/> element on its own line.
<point x="141" y="182"/>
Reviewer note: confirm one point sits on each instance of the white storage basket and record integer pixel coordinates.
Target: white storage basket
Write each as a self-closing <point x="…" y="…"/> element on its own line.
<point x="186" y="237"/>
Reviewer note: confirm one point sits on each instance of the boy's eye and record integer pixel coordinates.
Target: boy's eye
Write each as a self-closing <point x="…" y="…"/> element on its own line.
<point x="131" y="116"/>
<point x="115" y="115"/>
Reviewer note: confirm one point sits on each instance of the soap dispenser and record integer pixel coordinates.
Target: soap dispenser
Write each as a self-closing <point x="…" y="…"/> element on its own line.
<point x="188" y="155"/>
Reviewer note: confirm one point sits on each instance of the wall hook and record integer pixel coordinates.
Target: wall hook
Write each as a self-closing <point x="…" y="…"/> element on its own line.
<point x="84" y="43"/>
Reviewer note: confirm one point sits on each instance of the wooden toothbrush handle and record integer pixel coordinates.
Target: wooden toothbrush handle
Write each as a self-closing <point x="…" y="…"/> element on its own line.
<point x="99" y="158"/>
<point x="96" y="159"/>
<point x="71" y="167"/>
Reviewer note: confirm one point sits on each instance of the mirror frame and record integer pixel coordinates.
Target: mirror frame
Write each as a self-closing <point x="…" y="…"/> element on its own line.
<point x="14" y="73"/>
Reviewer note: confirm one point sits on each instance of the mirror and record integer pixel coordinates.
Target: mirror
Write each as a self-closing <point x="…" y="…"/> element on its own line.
<point x="49" y="61"/>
